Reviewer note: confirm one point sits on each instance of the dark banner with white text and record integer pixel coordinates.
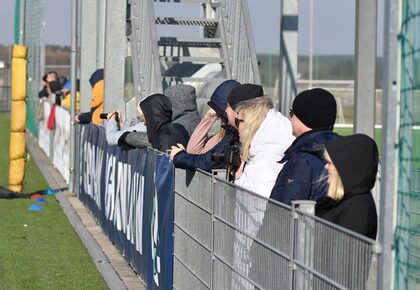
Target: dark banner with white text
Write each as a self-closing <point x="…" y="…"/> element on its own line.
<point x="130" y="193"/>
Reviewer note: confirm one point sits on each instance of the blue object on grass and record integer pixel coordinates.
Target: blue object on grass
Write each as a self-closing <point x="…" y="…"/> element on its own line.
<point x="40" y="199"/>
<point x="49" y="191"/>
<point x="35" y="207"/>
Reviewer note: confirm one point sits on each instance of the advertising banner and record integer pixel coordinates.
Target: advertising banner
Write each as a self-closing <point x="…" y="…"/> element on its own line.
<point x="130" y="193"/>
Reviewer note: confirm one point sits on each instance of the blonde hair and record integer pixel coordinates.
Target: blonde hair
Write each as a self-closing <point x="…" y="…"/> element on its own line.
<point x="253" y="112"/>
<point x="335" y="187"/>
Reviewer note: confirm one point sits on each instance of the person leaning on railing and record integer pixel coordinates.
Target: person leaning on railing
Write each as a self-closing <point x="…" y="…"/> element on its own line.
<point x="352" y="165"/>
<point x="162" y="133"/>
<point x="184" y="106"/>
<point x="312" y="116"/>
<point x="115" y="131"/>
<point x="200" y="141"/>
<point x="264" y="134"/>
<point x="93" y="116"/>
<point x="207" y="161"/>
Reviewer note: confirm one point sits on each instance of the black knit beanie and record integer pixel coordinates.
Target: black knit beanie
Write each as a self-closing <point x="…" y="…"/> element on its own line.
<point x="244" y="92"/>
<point x="316" y="108"/>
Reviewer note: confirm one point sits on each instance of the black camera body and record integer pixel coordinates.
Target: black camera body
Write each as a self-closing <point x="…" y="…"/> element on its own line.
<point x="105" y="116"/>
<point x="231" y="155"/>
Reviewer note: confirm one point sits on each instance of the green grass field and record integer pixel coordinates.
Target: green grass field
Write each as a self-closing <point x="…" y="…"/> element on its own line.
<point x="39" y="249"/>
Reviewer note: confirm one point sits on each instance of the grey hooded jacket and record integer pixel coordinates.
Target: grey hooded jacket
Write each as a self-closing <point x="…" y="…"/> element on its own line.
<point x="184" y="106"/>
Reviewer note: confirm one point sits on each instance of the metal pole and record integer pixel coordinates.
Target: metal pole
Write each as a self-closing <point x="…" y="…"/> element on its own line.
<point x="22" y="22"/>
<point x="365" y="68"/>
<point x="101" y="19"/>
<point x="311" y="41"/>
<point x="73" y="94"/>
<point x="389" y="140"/>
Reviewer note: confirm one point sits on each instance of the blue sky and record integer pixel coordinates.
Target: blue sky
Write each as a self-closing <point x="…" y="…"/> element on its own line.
<point x="334" y="24"/>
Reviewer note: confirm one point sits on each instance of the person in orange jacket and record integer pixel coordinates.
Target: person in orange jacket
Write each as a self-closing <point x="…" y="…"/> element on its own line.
<point x="96" y="105"/>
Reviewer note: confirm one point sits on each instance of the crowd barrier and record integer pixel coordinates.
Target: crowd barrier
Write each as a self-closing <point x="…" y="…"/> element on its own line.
<point x="55" y="142"/>
<point x="130" y="193"/>
<point x="229" y="238"/>
<point x="192" y="230"/>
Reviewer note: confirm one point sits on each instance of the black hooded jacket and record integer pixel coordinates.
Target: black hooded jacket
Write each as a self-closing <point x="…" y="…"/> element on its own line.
<point x="356" y="160"/>
<point x="157" y="110"/>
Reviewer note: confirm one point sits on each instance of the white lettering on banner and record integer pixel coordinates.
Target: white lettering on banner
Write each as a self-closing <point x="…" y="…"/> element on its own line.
<point x="125" y="202"/>
<point x="86" y="172"/>
<point x="123" y="183"/>
<point x="155" y="237"/>
<point x="133" y="192"/>
<point x="135" y="220"/>
<point x="97" y="178"/>
<point x="123" y="195"/>
<point x="110" y="186"/>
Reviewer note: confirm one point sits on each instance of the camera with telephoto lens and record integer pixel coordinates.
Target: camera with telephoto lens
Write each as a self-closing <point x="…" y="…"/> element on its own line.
<point x="105" y="116"/>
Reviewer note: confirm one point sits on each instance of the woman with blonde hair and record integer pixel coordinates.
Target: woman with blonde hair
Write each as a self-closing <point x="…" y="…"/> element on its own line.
<point x="264" y="134"/>
<point x="352" y="165"/>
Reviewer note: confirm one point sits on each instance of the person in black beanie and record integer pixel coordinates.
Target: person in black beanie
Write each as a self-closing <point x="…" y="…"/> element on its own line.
<point x="239" y="94"/>
<point x="313" y="116"/>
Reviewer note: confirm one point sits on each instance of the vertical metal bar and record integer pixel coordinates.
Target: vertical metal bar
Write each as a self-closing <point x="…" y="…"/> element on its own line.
<point x="389" y="139"/>
<point x="304" y="253"/>
<point x="116" y="41"/>
<point x="292" y="248"/>
<point x="213" y="221"/>
<point x="364" y="88"/>
<point x="251" y="44"/>
<point x="311" y="40"/>
<point x="288" y="52"/>
<point x="88" y="49"/>
<point x="73" y="94"/>
<point x="22" y="15"/>
<point x="100" y="24"/>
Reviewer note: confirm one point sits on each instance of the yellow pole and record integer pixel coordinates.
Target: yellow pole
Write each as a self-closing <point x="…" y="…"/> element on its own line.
<point x="18" y="119"/>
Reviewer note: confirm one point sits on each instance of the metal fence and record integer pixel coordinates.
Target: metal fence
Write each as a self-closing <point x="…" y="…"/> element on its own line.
<point x="240" y="41"/>
<point x="226" y="237"/>
<point x="407" y="234"/>
<point x="35" y="42"/>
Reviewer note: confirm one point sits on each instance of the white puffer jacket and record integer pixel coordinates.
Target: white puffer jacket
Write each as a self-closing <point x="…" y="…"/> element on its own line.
<point x="272" y="138"/>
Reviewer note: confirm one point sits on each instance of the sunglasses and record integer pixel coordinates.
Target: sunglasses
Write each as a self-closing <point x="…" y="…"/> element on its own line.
<point x="238" y="121"/>
<point x="291" y="113"/>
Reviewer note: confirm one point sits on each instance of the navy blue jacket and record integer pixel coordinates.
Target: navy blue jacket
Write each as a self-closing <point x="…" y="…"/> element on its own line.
<point x="204" y="161"/>
<point x="302" y="177"/>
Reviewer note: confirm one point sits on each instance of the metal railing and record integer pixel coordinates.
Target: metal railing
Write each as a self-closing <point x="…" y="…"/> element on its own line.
<point x="226" y="237"/>
<point x="144" y="48"/>
<point x="241" y="55"/>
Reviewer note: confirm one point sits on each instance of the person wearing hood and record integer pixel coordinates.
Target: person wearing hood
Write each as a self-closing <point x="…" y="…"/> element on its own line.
<point x="93" y="116"/>
<point x="265" y="134"/>
<point x="352" y="166"/>
<point x="162" y="134"/>
<point x="184" y="113"/>
<point x="184" y="106"/>
<point x="208" y="160"/>
<point x="200" y="141"/>
<point x="312" y="116"/>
